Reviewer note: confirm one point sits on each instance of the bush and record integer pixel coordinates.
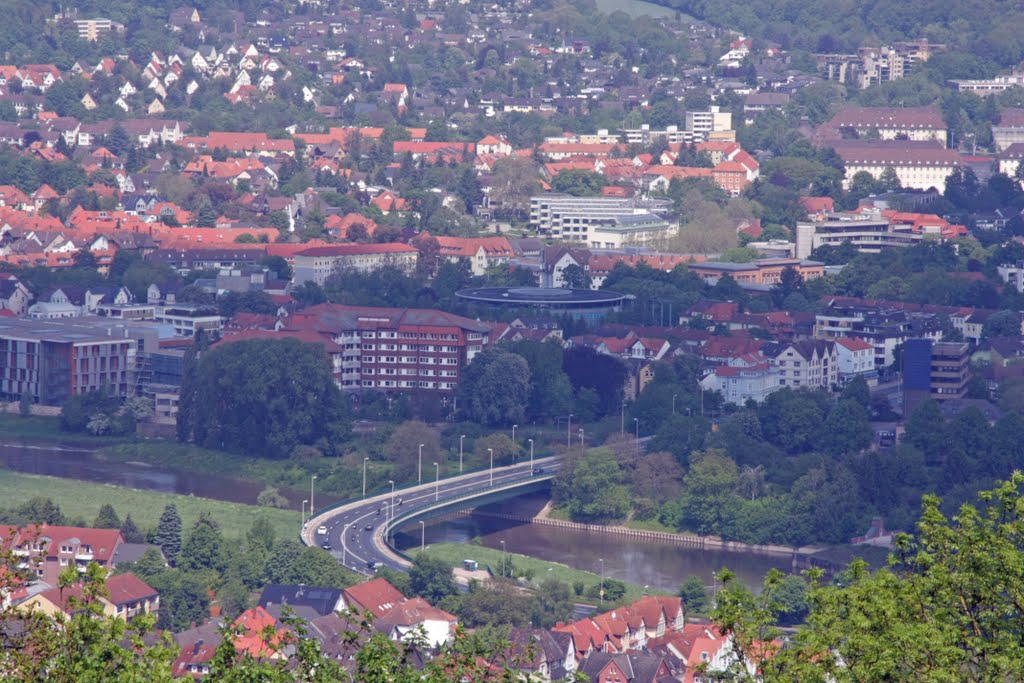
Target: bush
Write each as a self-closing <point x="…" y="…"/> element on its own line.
<point x="270" y="497"/>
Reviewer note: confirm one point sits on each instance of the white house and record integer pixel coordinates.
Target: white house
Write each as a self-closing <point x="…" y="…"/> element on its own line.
<point x="406" y="620"/>
<point x="750" y="377"/>
<point x="856" y="358"/>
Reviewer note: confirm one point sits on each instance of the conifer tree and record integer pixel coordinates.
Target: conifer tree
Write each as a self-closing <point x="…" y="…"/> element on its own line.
<point x="168" y="533"/>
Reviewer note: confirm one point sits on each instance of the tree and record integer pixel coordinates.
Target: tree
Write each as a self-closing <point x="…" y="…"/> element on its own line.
<point x="271" y="497"/>
<point x="847" y="429"/>
<point x="513" y="180"/>
<point x="1002" y="324"/>
<point x="552" y="602"/>
<point x="505" y="450"/>
<point x="578" y="182"/>
<point x="40" y="510"/>
<point x="403" y="449"/>
<point x="694" y="595"/>
<point x="264" y="397"/>
<point x="168" y="533"/>
<point x="130" y="531"/>
<point x="550" y="390"/>
<point x="431" y="579"/>
<point x="107" y="518"/>
<point x="926" y="430"/>
<point x="575" y="277"/>
<point x="495" y="387"/>
<point x="204" y="548"/>
<point x="592" y="489"/>
<point x="709" y="503"/>
<point x="606" y="375"/>
<point x="207" y="217"/>
<point x="497" y="602"/>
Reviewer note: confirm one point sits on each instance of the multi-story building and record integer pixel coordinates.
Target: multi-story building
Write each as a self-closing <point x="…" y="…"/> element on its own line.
<point x="856" y="358"/>
<point x="319" y="263"/>
<point x="480" y="253"/>
<point x="811" y="364"/>
<point x="601" y="222"/>
<point x="883" y="328"/>
<point x="934" y="370"/>
<point x="672" y="135"/>
<point x="750" y="377"/>
<point x="188" y="320"/>
<point x="871" y="230"/>
<point x="874" y="65"/>
<point x="766" y="272"/>
<point x="52" y="360"/>
<point x="713" y="124"/>
<point x="1009" y="130"/>
<point x="394" y="349"/>
<point x="94" y="29"/>
<point x="989" y="86"/>
<point x="47" y="550"/>
<point x="919" y="165"/>
<point x="892" y="123"/>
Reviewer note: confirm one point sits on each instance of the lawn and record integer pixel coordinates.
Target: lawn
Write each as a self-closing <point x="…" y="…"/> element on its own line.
<point x="34" y="428"/>
<point x="455" y="553"/>
<point x="79" y="499"/>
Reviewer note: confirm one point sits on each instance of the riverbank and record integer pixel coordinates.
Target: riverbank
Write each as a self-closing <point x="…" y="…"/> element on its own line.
<point x="552" y="516"/>
<point x="78" y="499"/>
<point x="453" y="554"/>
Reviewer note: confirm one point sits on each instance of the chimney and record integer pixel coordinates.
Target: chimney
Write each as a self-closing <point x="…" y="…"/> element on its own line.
<point x="197" y="646"/>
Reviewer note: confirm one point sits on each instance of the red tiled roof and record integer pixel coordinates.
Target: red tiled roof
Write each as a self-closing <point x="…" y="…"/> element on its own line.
<point x="358" y="249"/>
<point x="376" y="596"/>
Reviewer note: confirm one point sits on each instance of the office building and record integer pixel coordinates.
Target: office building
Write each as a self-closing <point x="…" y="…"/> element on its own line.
<point x="934" y="370"/>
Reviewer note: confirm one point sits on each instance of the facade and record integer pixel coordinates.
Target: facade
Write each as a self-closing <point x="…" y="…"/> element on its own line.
<point x="934" y="370"/>
<point x="52" y="360"/>
<point x="919" y="165"/>
<point x="874" y="65"/>
<point x="600" y="222"/>
<point x="856" y="358"/>
<point x="767" y="272"/>
<point x="811" y="364"/>
<point x="189" y="319"/>
<point x="705" y="124"/>
<point x="751" y="377"/>
<point x="393" y="349"/>
<point x="893" y="123"/>
<point x="868" y="231"/>
<point x="49" y="550"/>
<point x="1010" y="129"/>
<point x="884" y="329"/>
<point x="319" y="263"/>
<point x="480" y="252"/>
<point x="94" y="29"/>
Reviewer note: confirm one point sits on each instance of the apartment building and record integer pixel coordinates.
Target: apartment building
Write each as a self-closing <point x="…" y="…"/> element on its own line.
<point x="601" y="222"/>
<point x="871" y="230"/>
<point x="934" y="370"/>
<point x="1009" y="130"/>
<point x="94" y="29"/>
<point x="811" y="364"/>
<point x="874" y="65"/>
<point x="316" y="264"/>
<point x="856" y="358"/>
<point x="672" y="135"/>
<point x="751" y="377"/>
<point x="713" y="124"/>
<point x="48" y="550"/>
<point x="883" y="328"/>
<point x="394" y="349"/>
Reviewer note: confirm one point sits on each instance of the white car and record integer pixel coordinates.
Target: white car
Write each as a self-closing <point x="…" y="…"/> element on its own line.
<point x="322" y="530"/>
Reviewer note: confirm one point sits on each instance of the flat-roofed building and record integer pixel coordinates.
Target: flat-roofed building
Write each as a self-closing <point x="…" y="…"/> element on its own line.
<point x="316" y="264"/>
<point x="602" y="222"/>
<point x="919" y="164"/>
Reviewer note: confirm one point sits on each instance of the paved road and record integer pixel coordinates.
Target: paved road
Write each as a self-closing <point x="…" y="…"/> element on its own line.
<point x="354" y="532"/>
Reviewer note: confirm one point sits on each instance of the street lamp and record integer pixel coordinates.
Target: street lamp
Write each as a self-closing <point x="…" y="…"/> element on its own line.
<point x="420" y="465"/>
<point x="600" y="595"/>
<point x="463" y="436"/>
<point x="491" y="451"/>
<point x="568" y="432"/>
<point x="423" y="536"/>
<point x="514" y="432"/>
<point x="437" y="481"/>
<point x="303" y="525"/>
<point x="622" y="419"/>
<point x="531" y="456"/>
<point x="674" y="403"/>
<point x="365" y="460"/>
<point x="581" y="438"/>
<point x="636" y="421"/>
<point x="344" y="548"/>
<point x="312" y="480"/>
<point x="391" y="512"/>
<point x="502" y="559"/>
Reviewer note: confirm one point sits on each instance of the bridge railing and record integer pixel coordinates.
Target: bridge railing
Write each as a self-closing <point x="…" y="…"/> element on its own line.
<point x="409" y="514"/>
<point x="408" y="487"/>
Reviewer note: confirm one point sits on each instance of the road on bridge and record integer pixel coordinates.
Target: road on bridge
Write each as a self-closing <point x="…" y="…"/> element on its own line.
<point x="354" y="531"/>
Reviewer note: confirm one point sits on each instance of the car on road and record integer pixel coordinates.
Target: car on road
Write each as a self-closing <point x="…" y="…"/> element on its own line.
<point x="326" y="545"/>
<point x="369" y="527"/>
<point x="322" y="530"/>
<point x="538" y="470"/>
<point x="371" y="565"/>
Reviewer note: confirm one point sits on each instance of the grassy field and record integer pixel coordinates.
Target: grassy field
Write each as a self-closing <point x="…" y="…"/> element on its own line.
<point x="83" y="499"/>
<point x="455" y="553"/>
<point x="32" y="428"/>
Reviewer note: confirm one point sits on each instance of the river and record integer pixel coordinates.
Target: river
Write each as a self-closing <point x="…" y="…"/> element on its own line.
<point x="642" y="562"/>
<point x="647" y="563"/>
<point x="639" y="8"/>
<point x="72" y="460"/>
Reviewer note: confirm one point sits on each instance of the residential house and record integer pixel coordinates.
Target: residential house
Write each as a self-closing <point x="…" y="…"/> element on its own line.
<point x="856" y="358"/>
<point x="48" y="550"/>
<point x="127" y="597"/>
<point x="812" y="364"/>
<point x="602" y="667"/>
<point x="316" y="264"/>
<point x="376" y="596"/>
<point x="408" y="619"/>
<point x="750" y="377"/>
<point x="482" y="253"/>
<point x="305" y="602"/>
